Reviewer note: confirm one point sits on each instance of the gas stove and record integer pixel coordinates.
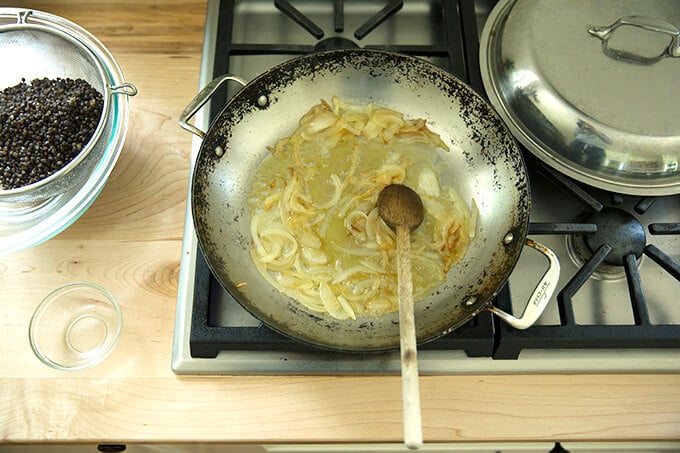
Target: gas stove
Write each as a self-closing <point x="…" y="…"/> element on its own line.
<point x="615" y="309"/>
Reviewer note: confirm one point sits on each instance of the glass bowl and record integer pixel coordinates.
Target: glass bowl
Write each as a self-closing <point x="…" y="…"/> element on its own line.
<point x="32" y="214"/>
<point x="75" y="326"/>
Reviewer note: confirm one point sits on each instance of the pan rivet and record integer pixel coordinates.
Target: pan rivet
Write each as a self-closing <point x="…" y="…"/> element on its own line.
<point x="470" y="301"/>
<point x="508" y="238"/>
<point x="262" y="101"/>
<point x="219" y="151"/>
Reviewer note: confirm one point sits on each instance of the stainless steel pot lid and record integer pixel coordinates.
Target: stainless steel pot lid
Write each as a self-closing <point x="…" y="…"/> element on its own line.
<point x="591" y="88"/>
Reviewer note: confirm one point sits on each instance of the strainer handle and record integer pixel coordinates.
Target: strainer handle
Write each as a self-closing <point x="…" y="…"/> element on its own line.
<point x="23" y="15"/>
<point x="126" y="89"/>
<point x="203" y="97"/>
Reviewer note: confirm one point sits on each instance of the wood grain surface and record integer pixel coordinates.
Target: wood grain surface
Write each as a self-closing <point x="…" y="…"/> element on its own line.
<point x="130" y="242"/>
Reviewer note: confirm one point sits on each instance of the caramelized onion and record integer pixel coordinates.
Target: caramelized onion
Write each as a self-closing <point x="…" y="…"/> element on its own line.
<point x="316" y="233"/>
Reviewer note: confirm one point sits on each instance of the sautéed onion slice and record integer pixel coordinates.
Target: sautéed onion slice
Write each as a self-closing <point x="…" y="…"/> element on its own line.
<point x="316" y="233"/>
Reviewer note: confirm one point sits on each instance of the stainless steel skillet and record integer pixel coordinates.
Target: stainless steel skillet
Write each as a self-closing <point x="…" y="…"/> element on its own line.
<point x="484" y="163"/>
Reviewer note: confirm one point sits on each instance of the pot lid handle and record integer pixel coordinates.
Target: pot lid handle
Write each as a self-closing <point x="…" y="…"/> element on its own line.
<point x="604" y="33"/>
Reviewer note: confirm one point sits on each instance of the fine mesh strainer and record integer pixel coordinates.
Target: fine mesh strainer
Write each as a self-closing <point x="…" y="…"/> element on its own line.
<point x="36" y="45"/>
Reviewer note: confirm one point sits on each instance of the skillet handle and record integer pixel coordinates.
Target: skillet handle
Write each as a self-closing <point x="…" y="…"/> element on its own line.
<point x="203" y="97"/>
<point x="541" y="295"/>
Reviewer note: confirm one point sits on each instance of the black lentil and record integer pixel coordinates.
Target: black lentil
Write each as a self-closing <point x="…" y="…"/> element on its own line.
<point x="43" y="127"/>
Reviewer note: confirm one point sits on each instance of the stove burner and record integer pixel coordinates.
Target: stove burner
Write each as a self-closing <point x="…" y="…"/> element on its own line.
<point x="335" y="43"/>
<point x="619" y="230"/>
<point x="450" y="41"/>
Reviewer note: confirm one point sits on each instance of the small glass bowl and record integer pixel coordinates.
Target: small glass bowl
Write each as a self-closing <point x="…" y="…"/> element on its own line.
<point x="75" y="326"/>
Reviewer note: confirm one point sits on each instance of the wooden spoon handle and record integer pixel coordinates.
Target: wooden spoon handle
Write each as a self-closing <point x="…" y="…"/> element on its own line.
<point x="413" y="431"/>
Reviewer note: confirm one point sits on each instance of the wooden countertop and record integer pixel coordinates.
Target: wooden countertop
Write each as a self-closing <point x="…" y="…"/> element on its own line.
<point x="130" y="242"/>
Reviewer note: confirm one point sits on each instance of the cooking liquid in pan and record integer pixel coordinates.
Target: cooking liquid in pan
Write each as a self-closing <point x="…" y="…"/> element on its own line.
<point x="340" y="257"/>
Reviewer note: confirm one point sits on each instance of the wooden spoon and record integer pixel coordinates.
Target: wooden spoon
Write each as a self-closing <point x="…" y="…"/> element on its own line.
<point x="402" y="210"/>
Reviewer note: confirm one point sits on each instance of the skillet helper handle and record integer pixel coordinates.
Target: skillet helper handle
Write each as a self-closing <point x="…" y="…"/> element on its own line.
<point x="646" y="23"/>
<point x="201" y="98"/>
<point x="541" y="294"/>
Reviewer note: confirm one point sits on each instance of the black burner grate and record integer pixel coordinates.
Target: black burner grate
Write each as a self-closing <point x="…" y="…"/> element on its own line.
<point x="457" y="52"/>
<point x="569" y="334"/>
